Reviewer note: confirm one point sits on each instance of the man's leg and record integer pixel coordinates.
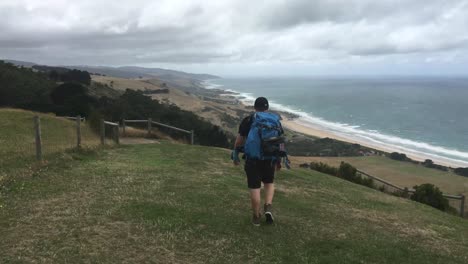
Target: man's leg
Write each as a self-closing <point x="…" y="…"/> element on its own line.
<point x="269" y="192"/>
<point x="268" y="179"/>
<point x="254" y="184"/>
<point x="255" y="200"/>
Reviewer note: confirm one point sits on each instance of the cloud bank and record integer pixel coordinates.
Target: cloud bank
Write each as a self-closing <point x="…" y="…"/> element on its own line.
<point x="222" y="33"/>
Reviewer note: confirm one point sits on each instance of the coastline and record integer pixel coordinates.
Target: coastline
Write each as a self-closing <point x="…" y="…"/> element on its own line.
<point x="292" y="122"/>
<point x="297" y="126"/>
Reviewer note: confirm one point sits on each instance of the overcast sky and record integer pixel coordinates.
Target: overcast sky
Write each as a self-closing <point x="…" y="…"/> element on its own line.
<point x="285" y="37"/>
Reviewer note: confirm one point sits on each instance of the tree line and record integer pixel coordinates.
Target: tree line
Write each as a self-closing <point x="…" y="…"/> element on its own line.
<point x="66" y="92"/>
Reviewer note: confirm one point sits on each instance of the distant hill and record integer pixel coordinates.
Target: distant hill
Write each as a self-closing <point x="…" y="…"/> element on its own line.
<point x="176" y="79"/>
<point x="131" y="72"/>
<point x="21" y="63"/>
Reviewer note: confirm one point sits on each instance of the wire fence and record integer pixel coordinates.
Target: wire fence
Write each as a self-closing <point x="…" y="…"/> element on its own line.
<point x="455" y="201"/>
<point x="149" y="126"/>
<point x="26" y="138"/>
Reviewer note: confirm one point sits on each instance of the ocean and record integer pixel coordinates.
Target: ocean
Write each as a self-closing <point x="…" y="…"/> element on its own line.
<point x="424" y="116"/>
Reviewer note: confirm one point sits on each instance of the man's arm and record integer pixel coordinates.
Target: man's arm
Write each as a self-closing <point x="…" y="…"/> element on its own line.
<point x="244" y="129"/>
<point x="240" y="140"/>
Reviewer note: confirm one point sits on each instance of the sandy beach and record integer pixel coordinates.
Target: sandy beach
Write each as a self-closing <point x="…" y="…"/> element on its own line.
<point x="296" y="125"/>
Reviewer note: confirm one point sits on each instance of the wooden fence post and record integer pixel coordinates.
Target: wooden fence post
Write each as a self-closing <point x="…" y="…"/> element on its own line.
<point x="78" y="131"/>
<point x="123" y="127"/>
<point x="103" y="132"/>
<point x="149" y="126"/>
<point x="37" y="128"/>
<point x="116" y="134"/>
<point x="192" y="136"/>
<point x="462" y="206"/>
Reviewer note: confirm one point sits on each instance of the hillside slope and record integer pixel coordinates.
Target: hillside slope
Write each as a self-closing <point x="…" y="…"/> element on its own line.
<point x="172" y="203"/>
<point x="17" y="139"/>
<point x="403" y="174"/>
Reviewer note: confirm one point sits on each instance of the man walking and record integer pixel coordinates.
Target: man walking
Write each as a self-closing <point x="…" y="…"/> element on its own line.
<point x="259" y="134"/>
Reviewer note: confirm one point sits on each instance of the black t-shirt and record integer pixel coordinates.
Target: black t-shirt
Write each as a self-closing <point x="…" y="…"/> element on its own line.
<point x="246" y="124"/>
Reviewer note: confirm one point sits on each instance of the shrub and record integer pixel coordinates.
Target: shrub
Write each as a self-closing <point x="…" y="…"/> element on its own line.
<point x="398" y="156"/>
<point x="346" y="172"/>
<point x="324" y="168"/>
<point x="461" y="171"/>
<point x="72" y="99"/>
<point x="23" y="88"/>
<point x="431" y="195"/>
<point x="404" y="193"/>
<point x="430" y="164"/>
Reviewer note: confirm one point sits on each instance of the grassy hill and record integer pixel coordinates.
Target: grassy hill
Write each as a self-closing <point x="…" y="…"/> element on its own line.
<point x="404" y="174"/>
<point x="173" y="203"/>
<point x="17" y="139"/>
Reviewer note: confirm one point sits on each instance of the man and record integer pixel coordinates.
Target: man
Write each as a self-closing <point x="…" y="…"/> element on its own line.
<point x="258" y="169"/>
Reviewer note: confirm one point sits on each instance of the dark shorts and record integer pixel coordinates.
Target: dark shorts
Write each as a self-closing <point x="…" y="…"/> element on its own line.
<point x="259" y="171"/>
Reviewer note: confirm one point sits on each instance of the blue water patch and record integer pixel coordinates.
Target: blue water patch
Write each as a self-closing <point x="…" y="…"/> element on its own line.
<point x="418" y="114"/>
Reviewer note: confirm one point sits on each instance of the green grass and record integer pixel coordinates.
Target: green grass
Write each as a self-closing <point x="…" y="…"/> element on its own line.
<point x="403" y="174"/>
<point x="17" y="140"/>
<point x="173" y="203"/>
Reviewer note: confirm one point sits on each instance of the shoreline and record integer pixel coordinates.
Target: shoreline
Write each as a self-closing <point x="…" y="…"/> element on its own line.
<point x="292" y="122"/>
<point x="296" y="126"/>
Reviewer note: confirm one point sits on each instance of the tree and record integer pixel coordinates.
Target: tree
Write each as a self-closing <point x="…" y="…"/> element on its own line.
<point x="428" y="163"/>
<point x="398" y="156"/>
<point x="430" y="195"/>
<point x="461" y="171"/>
<point x="23" y="88"/>
<point x="347" y="172"/>
<point x="72" y="99"/>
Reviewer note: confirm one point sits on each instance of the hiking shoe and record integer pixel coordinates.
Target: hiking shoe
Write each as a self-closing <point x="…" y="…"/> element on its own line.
<point x="268" y="214"/>
<point x="256" y="219"/>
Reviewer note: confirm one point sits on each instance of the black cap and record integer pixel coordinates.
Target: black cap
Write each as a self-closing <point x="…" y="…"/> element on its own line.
<point x="261" y="104"/>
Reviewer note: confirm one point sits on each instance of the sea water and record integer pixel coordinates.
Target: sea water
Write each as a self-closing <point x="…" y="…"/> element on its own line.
<point x="425" y="116"/>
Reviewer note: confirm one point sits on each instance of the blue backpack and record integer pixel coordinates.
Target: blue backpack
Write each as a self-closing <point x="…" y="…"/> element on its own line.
<point x="264" y="141"/>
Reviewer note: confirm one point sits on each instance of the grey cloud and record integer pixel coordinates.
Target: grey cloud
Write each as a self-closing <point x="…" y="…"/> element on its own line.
<point x="294" y="12"/>
<point x="180" y="32"/>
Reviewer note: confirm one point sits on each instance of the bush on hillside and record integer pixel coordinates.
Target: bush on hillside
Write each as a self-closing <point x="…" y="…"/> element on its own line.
<point x="430" y="164"/>
<point x="431" y="195"/>
<point x="61" y="74"/>
<point x="23" y="88"/>
<point x="403" y="193"/>
<point x="72" y="99"/>
<point x="324" y="168"/>
<point x="461" y="171"/>
<point x="348" y="172"/>
<point x="398" y="156"/>
<point x="345" y="171"/>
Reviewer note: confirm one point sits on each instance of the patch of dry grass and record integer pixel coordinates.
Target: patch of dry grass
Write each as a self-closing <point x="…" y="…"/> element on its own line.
<point x="173" y="203"/>
<point x="403" y="174"/>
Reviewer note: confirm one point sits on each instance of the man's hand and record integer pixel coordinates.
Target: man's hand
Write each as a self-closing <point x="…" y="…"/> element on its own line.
<point x="240" y="140"/>
<point x="235" y="157"/>
<point x="278" y="165"/>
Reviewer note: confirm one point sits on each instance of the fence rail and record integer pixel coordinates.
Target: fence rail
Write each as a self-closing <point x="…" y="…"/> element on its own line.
<point x="461" y="198"/>
<point x="150" y="124"/>
<point x="38" y="139"/>
<point x="82" y="119"/>
<point x="114" y="129"/>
